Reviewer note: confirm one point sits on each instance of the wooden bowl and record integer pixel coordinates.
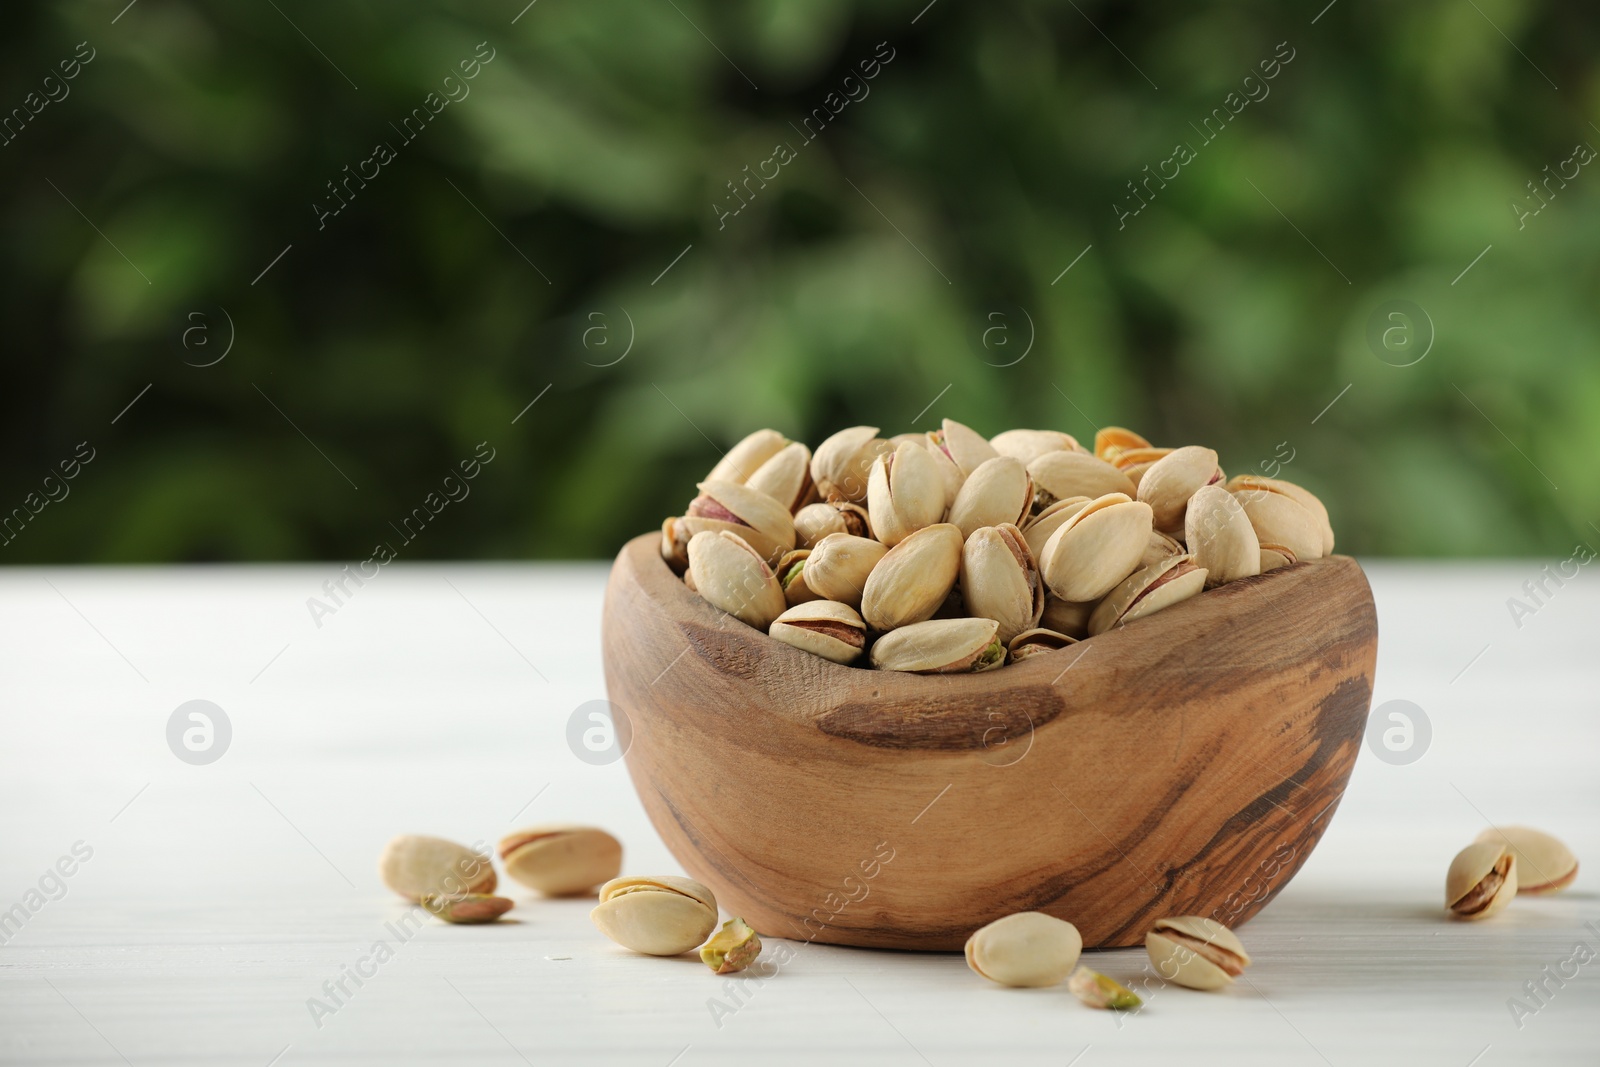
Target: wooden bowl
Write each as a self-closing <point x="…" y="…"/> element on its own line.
<point x="1185" y="764"/>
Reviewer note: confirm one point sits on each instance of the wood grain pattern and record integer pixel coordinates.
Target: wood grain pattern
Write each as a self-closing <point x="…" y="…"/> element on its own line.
<point x="1184" y="764"/>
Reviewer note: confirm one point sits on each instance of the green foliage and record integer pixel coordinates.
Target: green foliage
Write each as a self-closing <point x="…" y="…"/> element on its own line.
<point x="514" y="246"/>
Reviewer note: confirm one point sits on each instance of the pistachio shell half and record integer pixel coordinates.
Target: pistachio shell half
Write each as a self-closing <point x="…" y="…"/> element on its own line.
<point x="1172" y="480"/>
<point x="1097" y="548"/>
<point x="823" y="628"/>
<point x="414" y="865"/>
<point x="1481" y="881"/>
<point x="1059" y="475"/>
<point x="1196" y="952"/>
<point x="731" y="575"/>
<point x="1111" y="440"/>
<point x="746" y="457"/>
<point x="958" y="450"/>
<point x="1099" y="991"/>
<point x="1147" y="591"/>
<point x="1544" y="864"/>
<point x="904" y="493"/>
<point x="765" y="524"/>
<point x="561" y="859"/>
<point x="840" y="564"/>
<point x="1220" y="536"/>
<point x="913" y="578"/>
<point x="662" y="915"/>
<point x="1028" y="949"/>
<point x="999" y="579"/>
<point x="940" y="646"/>
<point x="731" y="949"/>
<point x="998" y="491"/>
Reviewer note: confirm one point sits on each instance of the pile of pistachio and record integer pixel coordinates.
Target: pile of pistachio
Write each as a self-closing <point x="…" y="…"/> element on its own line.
<point x="949" y="552"/>
<point x="662" y="915"/>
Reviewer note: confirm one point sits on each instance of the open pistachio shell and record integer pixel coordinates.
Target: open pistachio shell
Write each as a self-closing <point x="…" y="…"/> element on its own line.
<point x="1097" y="548"/>
<point x="746" y="457"/>
<point x="1025" y="446"/>
<point x="913" y="578"/>
<point x="840" y="564"/>
<point x="958" y="450"/>
<point x="940" y="646"/>
<point x="1059" y="475"/>
<point x="786" y="477"/>
<point x="1037" y="529"/>
<point x="1481" y="881"/>
<point x="1196" y="952"/>
<point x="791" y="572"/>
<point x="1000" y="581"/>
<point x="1278" y="519"/>
<point x="1160" y="546"/>
<point x="413" y="865"/>
<point x="1304" y="497"/>
<point x="1172" y="480"/>
<point x="1275" y="556"/>
<point x="732" y="576"/>
<point x="1028" y="949"/>
<point x="1036" y="642"/>
<point x="823" y="628"/>
<point x="840" y="464"/>
<point x="763" y="523"/>
<point x="1220" y="536"/>
<point x="998" y="491"/>
<point x="904" y="493"/>
<point x="1544" y="864"/>
<point x="662" y="915"/>
<point x="561" y="859"/>
<point x="1147" y="591"/>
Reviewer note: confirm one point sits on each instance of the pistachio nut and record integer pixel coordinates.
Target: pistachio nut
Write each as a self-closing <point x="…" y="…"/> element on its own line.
<point x="1025" y="446"/>
<point x="1172" y="480"/>
<point x="940" y="646"/>
<point x="746" y="457"/>
<point x="1278" y="519"/>
<point x="904" y="493"/>
<point x="731" y="575"/>
<point x="1111" y="440"/>
<point x="913" y="578"/>
<point x="786" y="477"/>
<point x="823" y="628"/>
<point x="1148" y="590"/>
<point x="663" y="915"/>
<point x="815" y="521"/>
<point x="1275" y="556"/>
<point x="1220" y="536"/>
<point x="732" y="948"/>
<point x="559" y="859"/>
<point x="840" y="564"/>
<point x="1028" y="949"/>
<point x="1159" y="547"/>
<point x="999" y="491"/>
<point x="1196" y="952"/>
<point x="1000" y="580"/>
<point x="1304" y="497"/>
<point x="1544" y="864"/>
<point x="413" y="866"/>
<point x="1059" y="475"/>
<point x="958" y="450"/>
<point x="1481" y="881"/>
<point x="1068" y="617"/>
<point x="840" y="464"/>
<point x="1037" y="642"/>
<point x="1097" y="548"/>
<point x="1036" y="530"/>
<point x="764" y="523"/>
<point x="1098" y="991"/>
<point x="675" y="544"/>
<point x="467" y="909"/>
<point x="791" y="574"/>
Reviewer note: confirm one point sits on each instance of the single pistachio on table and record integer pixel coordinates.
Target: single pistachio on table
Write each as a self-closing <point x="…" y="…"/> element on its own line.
<point x="791" y="572"/>
<point x="1037" y="528"/>
<point x="1196" y="952"/>
<point x="999" y="491"/>
<point x="786" y="477"/>
<point x="1220" y="536"/>
<point x="1281" y="517"/>
<point x="904" y="493"/>
<point x="1060" y="475"/>
<point x="1000" y="580"/>
<point x="1037" y="642"/>
<point x="1025" y="446"/>
<point x="940" y="646"/>
<point x="1028" y="949"/>
<point x="815" y="521"/>
<point x="1172" y="480"/>
<point x="912" y="580"/>
<point x="746" y="457"/>
<point x="561" y="859"/>
<point x="1092" y="552"/>
<point x="729" y="574"/>
<point x="731" y="949"/>
<point x="1275" y="556"/>
<point x="1109" y="441"/>
<point x="675" y="544"/>
<point x="661" y="915"/>
<point x="840" y="464"/>
<point x="467" y="909"/>
<point x="1544" y="864"/>
<point x="1147" y="591"/>
<point x="840" y="564"/>
<point x="414" y="865"/>
<point x="823" y="628"/>
<point x="1070" y="617"/>
<point x="1481" y="881"/>
<point x="763" y="523"/>
<point x="1304" y="497"/>
<point x="1099" y="991"/>
<point x="958" y="450"/>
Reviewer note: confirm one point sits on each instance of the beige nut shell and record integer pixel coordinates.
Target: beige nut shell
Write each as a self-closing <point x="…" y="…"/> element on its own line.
<point x="415" y="865"/>
<point x="561" y="859"/>
<point x="660" y="915"/>
<point x="1178" y="963"/>
<point x="1029" y="949"/>
<point x="1544" y="863"/>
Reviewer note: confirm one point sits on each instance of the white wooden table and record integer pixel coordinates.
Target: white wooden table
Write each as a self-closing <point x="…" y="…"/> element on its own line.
<point x="217" y="899"/>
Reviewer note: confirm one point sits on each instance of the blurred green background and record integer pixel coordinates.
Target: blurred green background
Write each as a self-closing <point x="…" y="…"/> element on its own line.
<point x="538" y="224"/>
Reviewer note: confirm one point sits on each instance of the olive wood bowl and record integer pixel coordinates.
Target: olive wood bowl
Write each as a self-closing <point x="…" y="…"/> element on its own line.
<point x="1184" y="764"/>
